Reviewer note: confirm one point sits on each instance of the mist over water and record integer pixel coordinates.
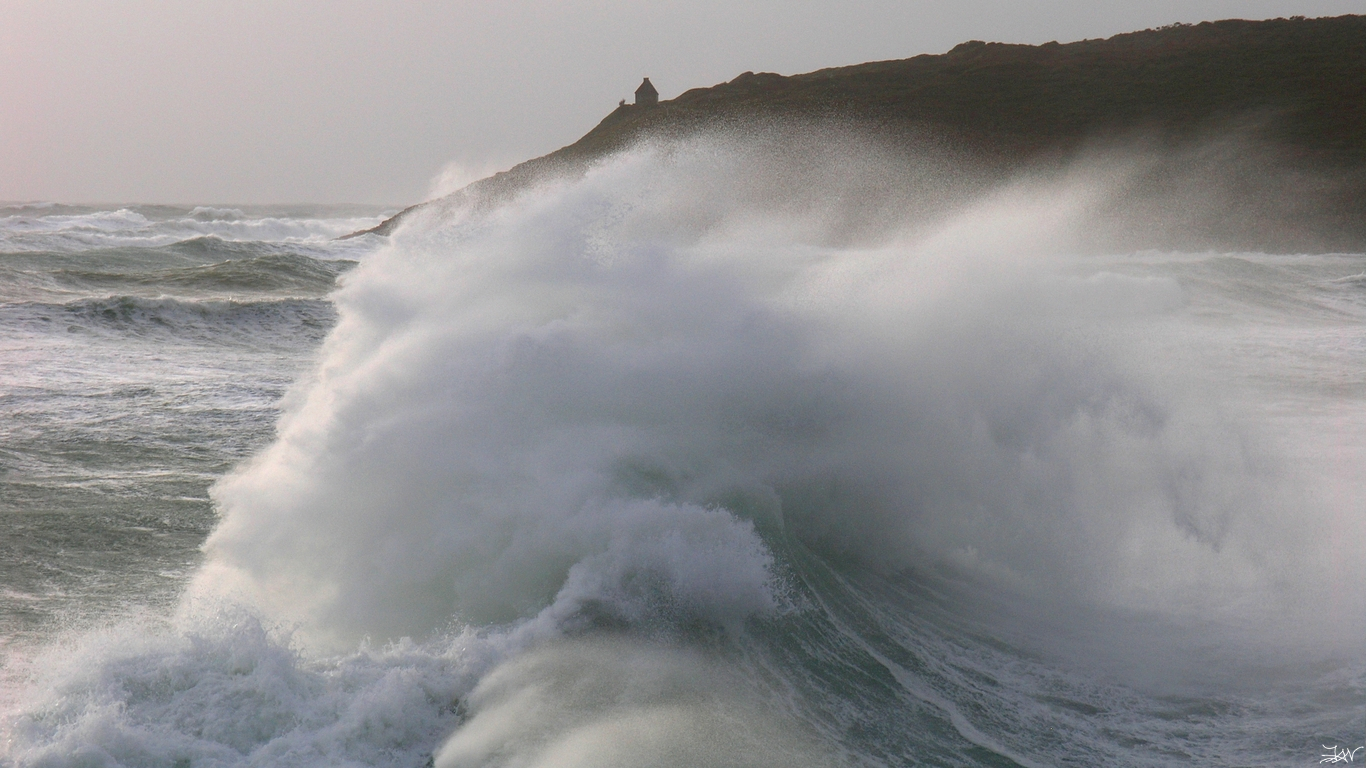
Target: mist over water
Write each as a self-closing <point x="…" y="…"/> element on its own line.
<point x="770" y="452"/>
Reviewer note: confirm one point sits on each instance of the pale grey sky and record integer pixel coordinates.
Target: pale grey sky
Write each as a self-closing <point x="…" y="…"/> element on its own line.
<point x="254" y="101"/>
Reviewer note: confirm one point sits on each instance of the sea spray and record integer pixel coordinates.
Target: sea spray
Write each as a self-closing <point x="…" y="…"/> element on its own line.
<point x="675" y="465"/>
<point x="502" y="386"/>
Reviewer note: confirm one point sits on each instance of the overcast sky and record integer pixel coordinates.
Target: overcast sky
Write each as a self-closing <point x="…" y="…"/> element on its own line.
<point x="257" y="101"/>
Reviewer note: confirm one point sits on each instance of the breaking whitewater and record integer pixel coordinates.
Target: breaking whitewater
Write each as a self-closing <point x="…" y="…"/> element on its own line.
<point x="709" y="456"/>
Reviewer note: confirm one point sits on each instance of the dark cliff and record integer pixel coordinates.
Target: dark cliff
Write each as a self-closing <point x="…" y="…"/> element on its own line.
<point x="1296" y="86"/>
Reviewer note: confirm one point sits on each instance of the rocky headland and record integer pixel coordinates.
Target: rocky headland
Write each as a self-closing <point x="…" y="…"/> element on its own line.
<point x="1273" y="111"/>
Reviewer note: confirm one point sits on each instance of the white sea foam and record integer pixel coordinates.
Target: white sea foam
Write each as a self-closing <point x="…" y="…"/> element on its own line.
<point x="224" y="690"/>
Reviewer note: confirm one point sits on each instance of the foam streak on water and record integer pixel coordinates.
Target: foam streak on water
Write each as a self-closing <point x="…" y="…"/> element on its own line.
<point x="669" y="465"/>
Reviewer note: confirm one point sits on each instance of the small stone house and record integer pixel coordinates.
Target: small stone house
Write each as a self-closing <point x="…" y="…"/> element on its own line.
<point x="646" y="95"/>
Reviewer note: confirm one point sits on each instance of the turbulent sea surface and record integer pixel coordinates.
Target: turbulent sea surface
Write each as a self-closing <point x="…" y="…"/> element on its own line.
<point x="672" y="465"/>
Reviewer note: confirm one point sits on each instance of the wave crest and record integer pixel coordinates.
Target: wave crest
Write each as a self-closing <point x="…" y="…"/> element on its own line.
<point x="662" y="333"/>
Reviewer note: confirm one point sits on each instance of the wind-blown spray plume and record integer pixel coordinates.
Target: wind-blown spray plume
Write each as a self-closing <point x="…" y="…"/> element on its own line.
<point x="789" y="449"/>
<point x="605" y="391"/>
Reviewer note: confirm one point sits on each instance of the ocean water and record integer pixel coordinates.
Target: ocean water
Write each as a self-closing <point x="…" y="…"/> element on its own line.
<point x="712" y="456"/>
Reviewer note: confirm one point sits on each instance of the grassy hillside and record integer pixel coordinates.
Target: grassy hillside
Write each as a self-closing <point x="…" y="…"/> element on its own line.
<point x="1296" y="88"/>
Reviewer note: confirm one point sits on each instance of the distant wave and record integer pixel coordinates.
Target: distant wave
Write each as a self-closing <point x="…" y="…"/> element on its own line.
<point x="252" y="272"/>
<point x="72" y="228"/>
<point x="209" y="213"/>
<point x="213" y="321"/>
